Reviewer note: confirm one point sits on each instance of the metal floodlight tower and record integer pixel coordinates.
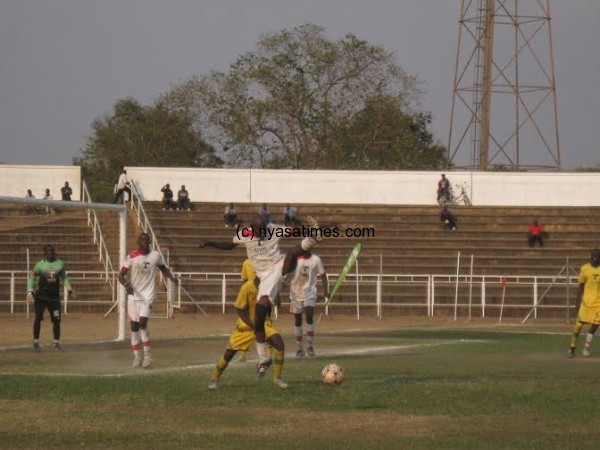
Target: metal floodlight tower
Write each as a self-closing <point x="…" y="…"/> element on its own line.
<point x="504" y="114"/>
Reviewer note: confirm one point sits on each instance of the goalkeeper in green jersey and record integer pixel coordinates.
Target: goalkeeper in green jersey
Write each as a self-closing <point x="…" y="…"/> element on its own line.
<point x="49" y="271"/>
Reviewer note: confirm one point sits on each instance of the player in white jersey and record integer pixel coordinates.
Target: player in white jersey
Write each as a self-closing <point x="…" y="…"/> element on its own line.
<point x="303" y="296"/>
<point x="141" y="266"/>
<point x="272" y="267"/>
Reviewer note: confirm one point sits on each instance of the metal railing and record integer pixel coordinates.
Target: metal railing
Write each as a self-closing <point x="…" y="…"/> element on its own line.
<point x="433" y="294"/>
<point x="99" y="240"/>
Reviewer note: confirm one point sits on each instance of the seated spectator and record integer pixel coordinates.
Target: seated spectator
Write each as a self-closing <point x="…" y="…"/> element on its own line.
<point x="289" y="215"/>
<point x="443" y="188"/>
<point x="123" y="185"/>
<point x="230" y="216"/>
<point x="30" y="209"/>
<point x="448" y="219"/>
<point x="264" y="211"/>
<point x="168" y="202"/>
<point x="535" y="234"/>
<point x="183" y="199"/>
<point x="49" y="209"/>
<point x="66" y="192"/>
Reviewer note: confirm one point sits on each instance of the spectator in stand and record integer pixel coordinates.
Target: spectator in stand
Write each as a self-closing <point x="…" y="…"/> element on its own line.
<point x="30" y="209"/>
<point x="443" y="187"/>
<point x="183" y="199"/>
<point x="167" y="199"/>
<point x="66" y="192"/>
<point x="535" y="234"/>
<point x="448" y="219"/>
<point x="263" y="211"/>
<point x="289" y="215"/>
<point x="49" y="209"/>
<point x="230" y="216"/>
<point x="123" y="185"/>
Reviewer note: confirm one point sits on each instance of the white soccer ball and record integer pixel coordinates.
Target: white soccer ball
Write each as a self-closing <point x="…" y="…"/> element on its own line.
<point x="332" y="375"/>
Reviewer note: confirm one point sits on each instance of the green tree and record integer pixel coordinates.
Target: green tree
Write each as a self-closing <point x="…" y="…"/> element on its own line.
<point x="137" y="135"/>
<point x="382" y="136"/>
<point x="288" y="103"/>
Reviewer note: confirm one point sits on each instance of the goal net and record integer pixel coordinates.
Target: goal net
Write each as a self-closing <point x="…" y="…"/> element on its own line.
<point x="90" y="239"/>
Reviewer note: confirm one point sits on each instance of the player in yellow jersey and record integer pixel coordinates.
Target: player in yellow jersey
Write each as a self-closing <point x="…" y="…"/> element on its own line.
<point x="589" y="309"/>
<point x="247" y="274"/>
<point x="243" y="335"/>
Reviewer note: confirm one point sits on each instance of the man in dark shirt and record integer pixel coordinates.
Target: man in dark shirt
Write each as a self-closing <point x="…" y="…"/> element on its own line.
<point x="49" y="271"/>
<point x="168" y="202"/>
<point x="66" y="192"/>
<point x="448" y="219"/>
<point x="183" y="199"/>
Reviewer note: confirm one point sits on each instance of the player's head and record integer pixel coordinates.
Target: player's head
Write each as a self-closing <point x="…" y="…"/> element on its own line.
<point x="49" y="252"/>
<point x="595" y="257"/>
<point x="258" y="222"/>
<point x="144" y="242"/>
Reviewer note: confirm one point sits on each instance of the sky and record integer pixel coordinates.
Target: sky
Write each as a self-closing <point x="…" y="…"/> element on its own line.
<point x="64" y="63"/>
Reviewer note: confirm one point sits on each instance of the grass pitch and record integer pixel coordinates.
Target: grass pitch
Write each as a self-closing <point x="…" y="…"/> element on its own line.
<point x="427" y="387"/>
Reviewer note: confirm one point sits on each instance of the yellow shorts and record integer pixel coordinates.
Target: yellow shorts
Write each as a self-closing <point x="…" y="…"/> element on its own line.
<point x="241" y="340"/>
<point x="589" y="315"/>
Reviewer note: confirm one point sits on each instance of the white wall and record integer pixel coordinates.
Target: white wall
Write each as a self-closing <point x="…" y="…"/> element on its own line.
<point x="313" y="186"/>
<point x="16" y="179"/>
<point x="368" y="187"/>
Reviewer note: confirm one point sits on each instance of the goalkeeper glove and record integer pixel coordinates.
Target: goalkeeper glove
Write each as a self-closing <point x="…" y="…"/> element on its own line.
<point x="30" y="296"/>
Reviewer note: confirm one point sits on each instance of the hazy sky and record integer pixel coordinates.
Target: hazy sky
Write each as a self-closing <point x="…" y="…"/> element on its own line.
<point x="65" y="62"/>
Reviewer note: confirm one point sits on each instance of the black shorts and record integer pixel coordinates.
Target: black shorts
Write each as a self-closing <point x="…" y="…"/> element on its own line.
<point x="53" y="308"/>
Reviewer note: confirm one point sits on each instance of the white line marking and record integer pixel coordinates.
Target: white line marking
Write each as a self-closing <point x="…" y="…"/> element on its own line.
<point x="140" y="372"/>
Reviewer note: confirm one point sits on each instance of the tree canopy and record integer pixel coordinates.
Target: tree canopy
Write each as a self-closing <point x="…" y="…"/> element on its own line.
<point x="137" y="135"/>
<point x="303" y="101"/>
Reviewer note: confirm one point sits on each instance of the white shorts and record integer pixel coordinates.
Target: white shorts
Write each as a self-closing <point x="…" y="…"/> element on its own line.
<point x="297" y="306"/>
<point x="271" y="282"/>
<point x="137" y="309"/>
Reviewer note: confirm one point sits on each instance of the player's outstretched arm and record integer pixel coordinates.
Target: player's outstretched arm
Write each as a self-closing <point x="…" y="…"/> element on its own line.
<point x="218" y="245"/>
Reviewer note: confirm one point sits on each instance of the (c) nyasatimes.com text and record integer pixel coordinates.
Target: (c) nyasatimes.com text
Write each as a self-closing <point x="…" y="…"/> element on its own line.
<point x="304" y="232"/>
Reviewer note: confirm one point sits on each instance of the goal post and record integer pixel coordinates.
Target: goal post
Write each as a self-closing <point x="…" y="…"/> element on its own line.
<point x="85" y="235"/>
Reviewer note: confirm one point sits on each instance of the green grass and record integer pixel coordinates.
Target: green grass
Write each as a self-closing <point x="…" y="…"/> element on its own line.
<point x="492" y="390"/>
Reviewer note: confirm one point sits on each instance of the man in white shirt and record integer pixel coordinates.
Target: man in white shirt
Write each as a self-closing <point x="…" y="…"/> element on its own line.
<point x="271" y="265"/>
<point x="303" y="298"/>
<point x="123" y="185"/>
<point x="141" y="266"/>
<point x="48" y="196"/>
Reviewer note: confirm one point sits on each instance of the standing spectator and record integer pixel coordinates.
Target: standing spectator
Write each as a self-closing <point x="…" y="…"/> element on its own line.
<point x="589" y="306"/>
<point x="141" y="292"/>
<point x="535" y="234"/>
<point x="123" y="185"/>
<point x="263" y="211"/>
<point x="183" y="199"/>
<point x="49" y="271"/>
<point x="66" y="192"/>
<point x="168" y="202"/>
<point x="448" y="219"/>
<point x="30" y="209"/>
<point x="48" y="196"/>
<point x="303" y="296"/>
<point x="230" y="216"/>
<point x="289" y="215"/>
<point x="443" y="189"/>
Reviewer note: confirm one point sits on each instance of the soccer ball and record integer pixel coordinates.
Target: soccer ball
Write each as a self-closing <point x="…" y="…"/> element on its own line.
<point x="332" y="375"/>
